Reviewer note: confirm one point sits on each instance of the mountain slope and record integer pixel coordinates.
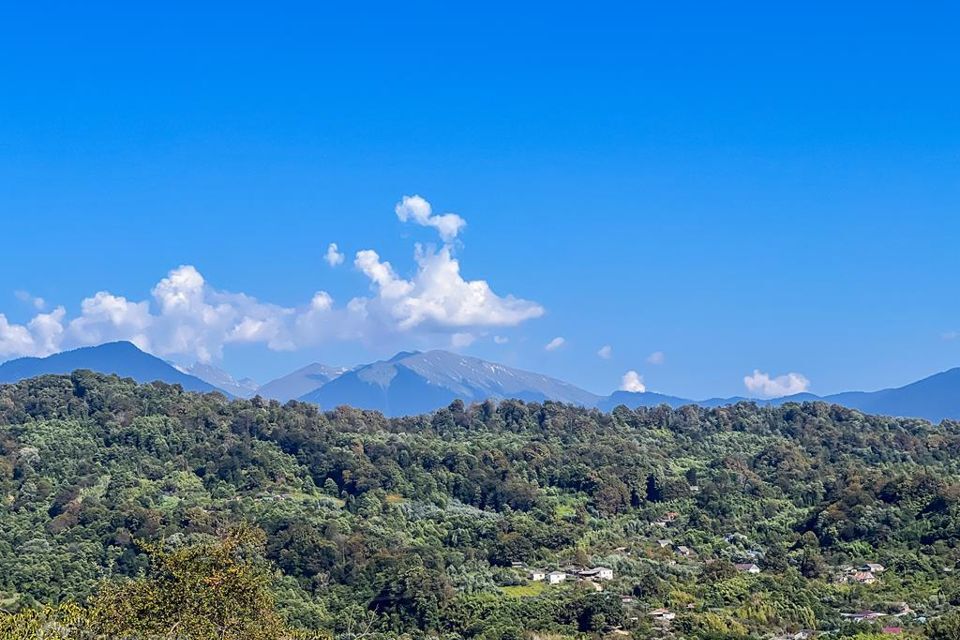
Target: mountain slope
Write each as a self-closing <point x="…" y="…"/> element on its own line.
<point x="244" y="388"/>
<point x="300" y="382"/>
<point x="412" y="383"/>
<point x="934" y="398"/>
<point x="121" y="358"/>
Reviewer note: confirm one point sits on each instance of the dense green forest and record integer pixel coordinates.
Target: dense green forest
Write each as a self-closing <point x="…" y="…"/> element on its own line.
<point x="141" y="510"/>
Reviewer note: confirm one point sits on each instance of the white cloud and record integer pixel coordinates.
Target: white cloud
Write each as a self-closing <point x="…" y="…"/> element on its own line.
<point x="39" y="337"/>
<point x="105" y="317"/>
<point x="416" y="209"/>
<point x="47" y="330"/>
<point x="15" y="339"/>
<point x="657" y="357"/>
<point x="605" y="352"/>
<point x="501" y="339"/>
<point x="632" y="382"/>
<point x="333" y="255"/>
<point x="763" y="385"/>
<point x="36" y="302"/>
<point x="463" y="339"/>
<point x="187" y="319"/>
<point x="555" y="344"/>
<point x="438" y="297"/>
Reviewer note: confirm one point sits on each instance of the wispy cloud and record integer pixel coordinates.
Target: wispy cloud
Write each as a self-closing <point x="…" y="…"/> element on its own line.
<point x="605" y="352"/>
<point x="34" y="301"/>
<point x="555" y="344"/>
<point x="657" y="357"/>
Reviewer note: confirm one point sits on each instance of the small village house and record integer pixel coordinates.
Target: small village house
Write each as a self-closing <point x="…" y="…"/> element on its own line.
<point x="747" y="567"/>
<point x="662" y="614"/>
<point x="600" y="573"/>
<point x="556" y="577"/>
<point x="864" y="577"/>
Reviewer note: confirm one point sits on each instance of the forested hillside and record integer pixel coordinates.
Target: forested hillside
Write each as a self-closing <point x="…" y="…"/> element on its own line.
<point x="737" y="521"/>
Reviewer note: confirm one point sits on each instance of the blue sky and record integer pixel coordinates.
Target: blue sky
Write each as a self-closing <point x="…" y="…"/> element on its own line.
<point x="762" y="186"/>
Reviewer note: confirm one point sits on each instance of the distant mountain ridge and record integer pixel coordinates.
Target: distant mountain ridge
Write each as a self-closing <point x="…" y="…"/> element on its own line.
<point x="243" y="388"/>
<point x="933" y="398"/>
<point x="411" y="383"/>
<point x="419" y="382"/>
<point x="300" y="382"/>
<point x="121" y="358"/>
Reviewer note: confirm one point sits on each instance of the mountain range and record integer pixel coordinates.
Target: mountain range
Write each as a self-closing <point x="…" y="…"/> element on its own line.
<point x="419" y="382"/>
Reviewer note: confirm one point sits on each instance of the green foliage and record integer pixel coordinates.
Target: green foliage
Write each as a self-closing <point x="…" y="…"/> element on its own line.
<point x="114" y="497"/>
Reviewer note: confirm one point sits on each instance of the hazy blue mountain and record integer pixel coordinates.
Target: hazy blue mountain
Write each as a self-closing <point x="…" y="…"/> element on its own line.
<point x="414" y="382"/>
<point x="634" y="399"/>
<point x="121" y="358"/>
<point x="411" y="383"/>
<point x="243" y="388"/>
<point x="934" y="398"/>
<point x="300" y="382"/>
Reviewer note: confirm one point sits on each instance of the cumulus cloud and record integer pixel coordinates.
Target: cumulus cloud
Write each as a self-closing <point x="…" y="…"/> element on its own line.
<point x="417" y="210"/>
<point x="186" y="318"/>
<point x="763" y="385"/>
<point x="605" y="352"/>
<point x="657" y="357"/>
<point x="41" y="336"/>
<point x="15" y="339"/>
<point x="438" y="296"/>
<point x="632" y="382"/>
<point x="333" y="255"/>
<point x="555" y="344"/>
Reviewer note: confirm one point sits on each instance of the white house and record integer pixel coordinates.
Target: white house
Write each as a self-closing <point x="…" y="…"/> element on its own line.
<point x="747" y="567"/>
<point x="601" y="573"/>
<point x="662" y="614"/>
<point x="556" y="577"/>
<point x="537" y="575"/>
<point x="873" y="567"/>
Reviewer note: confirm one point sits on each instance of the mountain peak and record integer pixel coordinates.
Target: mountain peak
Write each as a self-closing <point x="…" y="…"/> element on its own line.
<point x="122" y="358"/>
<point x="417" y="382"/>
<point x="403" y="355"/>
<point x="299" y="382"/>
